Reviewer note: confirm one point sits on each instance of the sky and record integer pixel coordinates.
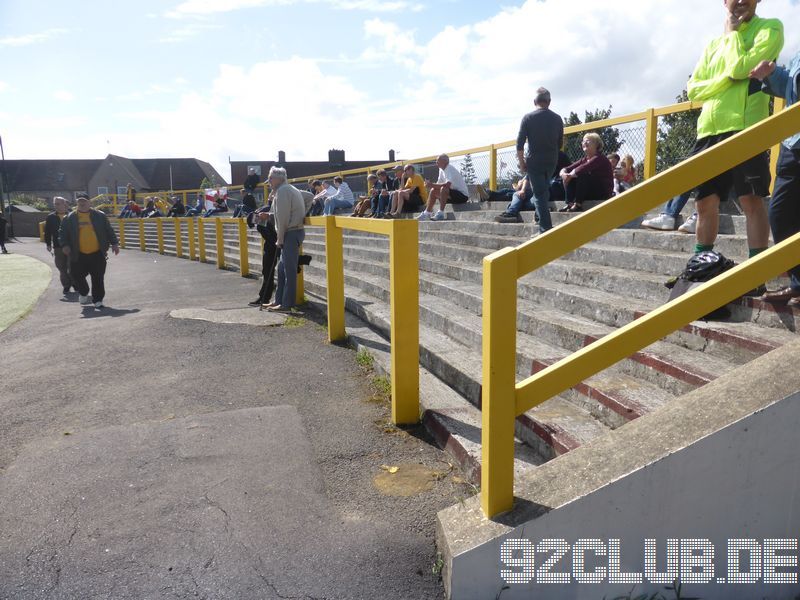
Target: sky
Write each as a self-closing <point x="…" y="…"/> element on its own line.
<point x="227" y="80"/>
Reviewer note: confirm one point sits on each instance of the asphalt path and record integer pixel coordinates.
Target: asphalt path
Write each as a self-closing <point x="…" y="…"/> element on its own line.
<point x="147" y="456"/>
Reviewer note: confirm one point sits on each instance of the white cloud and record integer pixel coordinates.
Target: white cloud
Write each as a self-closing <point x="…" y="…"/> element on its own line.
<point x="194" y="8"/>
<point x="31" y="38"/>
<point x="64" y="96"/>
<point x="3" y="86"/>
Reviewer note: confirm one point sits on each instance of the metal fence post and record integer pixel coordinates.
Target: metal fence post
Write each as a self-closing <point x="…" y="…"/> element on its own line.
<point x="201" y="238"/>
<point x="404" y="307"/>
<point x="190" y="235"/>
<point x="220" y="243"/>
<point x="142" y="242"/>
<point x="498" y="396"/>
<point x="650" y="143"/>
<point x="493" y="168"/>
<point x="41" y="231"/>
<point x="300" y="288"/>
<point x="160" y="235"/>
<point x="334" y="267"/>
<point x="178" y="240"/>
<point x="121" y="227"/>
<point x="244" y="252"/>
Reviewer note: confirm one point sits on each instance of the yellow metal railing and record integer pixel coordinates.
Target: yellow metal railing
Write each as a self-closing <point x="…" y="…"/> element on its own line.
<point x="503" y="399"/>
<point x="404" y="300"/>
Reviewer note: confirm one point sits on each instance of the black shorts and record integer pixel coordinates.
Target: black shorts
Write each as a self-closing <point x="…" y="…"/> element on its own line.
<point x="414" y="201"/>
<point x="752" y="177"/>
<point x="457" y="197"/>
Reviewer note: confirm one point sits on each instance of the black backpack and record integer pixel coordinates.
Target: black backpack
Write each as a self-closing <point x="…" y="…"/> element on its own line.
<point x="701" y="267"/>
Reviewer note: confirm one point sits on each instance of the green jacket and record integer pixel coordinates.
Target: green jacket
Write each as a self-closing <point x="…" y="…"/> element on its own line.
<point x="721" y="78"/>
<point x="68" y="234"/>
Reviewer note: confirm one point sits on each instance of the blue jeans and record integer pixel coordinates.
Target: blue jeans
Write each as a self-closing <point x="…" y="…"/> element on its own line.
<point x="380" y="204"/>
<point x="287" y="267"/>
<point x="784" y="205"/>
<point x="539" y="180"/>
<point x="674" y="207"/>
<point x="519" y="204"/>
<point x="332" y="204"/>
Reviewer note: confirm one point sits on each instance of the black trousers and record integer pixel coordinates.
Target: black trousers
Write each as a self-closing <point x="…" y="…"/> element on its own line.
<point x="93" y="265"/>
<point x="784" y="205"/>
<point x="62" y="264"/>
<point x="585" y="187"/>
<point x="268" y="263"/>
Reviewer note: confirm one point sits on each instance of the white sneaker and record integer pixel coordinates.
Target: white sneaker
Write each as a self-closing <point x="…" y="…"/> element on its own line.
<point x="424" y="216"/>
<point x="690" y="226"/>
<point x="439" y="216"/>
<point x="98" y="305"/>
<point x="662" y="222"/>
<point x="84" y="300"/>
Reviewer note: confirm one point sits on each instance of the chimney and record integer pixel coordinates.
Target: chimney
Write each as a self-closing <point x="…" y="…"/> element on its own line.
<point x="281" y="157"/>
<point x="391" y="155"/>
<point x="336" y="158"/>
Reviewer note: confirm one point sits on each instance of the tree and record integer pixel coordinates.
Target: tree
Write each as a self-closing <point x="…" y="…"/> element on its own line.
<point x="676" y="136"/>
<point x="468" y="169"/>
<point x="609" y="135"/>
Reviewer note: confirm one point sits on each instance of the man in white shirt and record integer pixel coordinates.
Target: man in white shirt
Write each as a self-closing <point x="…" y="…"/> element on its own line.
<point x="450" y="187"/>
<point x="343" y="198"/>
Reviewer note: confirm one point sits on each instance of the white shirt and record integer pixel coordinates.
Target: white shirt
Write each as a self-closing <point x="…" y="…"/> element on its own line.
<point x="344" y="193"/>
<point x="456" y="179"/>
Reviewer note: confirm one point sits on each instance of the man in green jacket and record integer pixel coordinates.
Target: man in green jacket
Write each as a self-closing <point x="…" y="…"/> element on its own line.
<point x="733" y="102"/>
<point x="85" y="237"/>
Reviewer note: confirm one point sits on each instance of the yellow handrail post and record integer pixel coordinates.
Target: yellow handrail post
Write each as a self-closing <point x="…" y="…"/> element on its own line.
<point x="498" y="405"/>
<point x="650" y="143"/>
<point x="777" y="107"/>
<point x="493" y="168"/>
<point x="244" y="252"/>
<point x="142" y="243"/>
<point x="220" y="243"/>
<point x="190" y="235"/>
<point x="334" y="267"/>
<point x="121" y="224"/>
<point x="300" y="288"/>
<point x="41" y="231"/>
<point x="201" y="238"/>
<point x="178" y="240"/>
<point x="404" y="310"/>
<point x="160" y="235"/>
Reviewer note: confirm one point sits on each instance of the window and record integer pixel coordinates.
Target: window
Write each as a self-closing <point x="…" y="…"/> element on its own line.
<point x="122" y="190"/>
<point x="102" y="191"/>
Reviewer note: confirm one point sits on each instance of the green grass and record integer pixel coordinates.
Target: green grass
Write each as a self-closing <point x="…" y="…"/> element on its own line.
<point x="293" y="322"/>
<point x="364" y="359"/>
<point x="382" y="386"/>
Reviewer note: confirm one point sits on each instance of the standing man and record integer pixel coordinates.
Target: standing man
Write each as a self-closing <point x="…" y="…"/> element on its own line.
<point x="264" y="221"/>
<point x="544" y="131"/>
<point x="733" y="102"/>
<point x="290" y="210"/>
<point x="784" y="206"/>
<point x="51" y="226"/>
<point x="449" y="187"/>
<point x="85" y="237"/>
<point x="251" y="182"/>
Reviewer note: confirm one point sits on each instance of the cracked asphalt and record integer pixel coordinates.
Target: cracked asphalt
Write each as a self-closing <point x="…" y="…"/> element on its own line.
<point x="143" y="456"/>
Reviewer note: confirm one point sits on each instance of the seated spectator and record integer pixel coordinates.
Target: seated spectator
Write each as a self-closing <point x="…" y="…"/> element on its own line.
<point x="522" y="199"/>
<point x="150" y="210"/>
<point x="411" y="195"/>
<point x="624" y="174"/>
<point x="449" y="187"/>
<point x="613" y="158"/>
<point x="668" y="219"/>
<point x="342" y="198"/>
<point x="247" y="206"/>
<point x="130" y="210"/>
<point x="250" y="183"/>
<point x="220" y="206"/>
<point x="365" y="202"/>
<point x="590" y="178"/>
<point x="161" y="205"/>
<point x="318" y="201"/>
<point x="382" y="192"/>
<point x="556" y="185"/>
<point x="198" y="208"/>
<point x="177" y="209"/>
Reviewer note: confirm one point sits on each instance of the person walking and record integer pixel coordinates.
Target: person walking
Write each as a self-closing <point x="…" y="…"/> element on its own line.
<point x="543" y="130"/>
<point x="85" y="237"/>
<point x="289" y="210"/>
<point x="51" y="226"/>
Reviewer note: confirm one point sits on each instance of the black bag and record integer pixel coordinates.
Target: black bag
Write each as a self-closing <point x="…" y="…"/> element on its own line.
<point x="700" y="268"/>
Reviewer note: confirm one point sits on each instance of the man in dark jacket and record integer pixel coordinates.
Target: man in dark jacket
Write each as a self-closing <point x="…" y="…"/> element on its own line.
<point x="51" y="226"/>
<point x="85" y="237"/>
<point x="265" y="223"/>
<point x="251" y="182"/>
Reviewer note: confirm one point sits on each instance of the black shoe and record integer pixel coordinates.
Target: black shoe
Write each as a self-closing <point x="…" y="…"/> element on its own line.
<point x="508" y="217"/>
<point x="304" y="259"/>
<point x="66" y="290"/>
<point x="256" y="302"/>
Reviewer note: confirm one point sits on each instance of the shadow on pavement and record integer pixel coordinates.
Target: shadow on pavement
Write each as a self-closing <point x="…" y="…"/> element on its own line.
<point x="90" y="312"/>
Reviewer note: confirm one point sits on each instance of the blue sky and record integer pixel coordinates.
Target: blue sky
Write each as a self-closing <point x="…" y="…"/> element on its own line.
<point x="245" y="78"/>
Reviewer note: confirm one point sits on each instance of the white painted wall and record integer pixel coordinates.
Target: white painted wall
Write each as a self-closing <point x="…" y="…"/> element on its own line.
<point x="741" y="482"/>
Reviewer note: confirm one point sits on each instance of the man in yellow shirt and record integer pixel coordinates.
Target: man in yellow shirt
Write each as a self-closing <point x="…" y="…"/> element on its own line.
<point x="85" y="237"/>
<point x="412" y="195"/>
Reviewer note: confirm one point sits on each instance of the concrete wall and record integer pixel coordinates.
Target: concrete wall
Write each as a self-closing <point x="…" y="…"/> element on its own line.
<point x="27" y="224"/>
<point x="718" y="464"/>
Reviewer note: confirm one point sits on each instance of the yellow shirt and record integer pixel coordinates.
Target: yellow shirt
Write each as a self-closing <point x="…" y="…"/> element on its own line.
<point x="87" y="238"/>
<point x="416" y="181"/>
